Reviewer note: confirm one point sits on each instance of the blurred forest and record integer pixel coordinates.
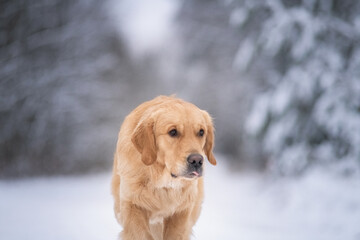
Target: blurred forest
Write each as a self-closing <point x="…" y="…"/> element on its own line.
<point x="281" y="79"/>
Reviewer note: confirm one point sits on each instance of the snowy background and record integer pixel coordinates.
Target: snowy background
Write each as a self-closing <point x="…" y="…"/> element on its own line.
<point x="246" y="206"/>
<point x="280" y="77"/>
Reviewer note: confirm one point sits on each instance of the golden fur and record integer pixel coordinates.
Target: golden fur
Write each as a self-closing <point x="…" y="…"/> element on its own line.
<point x="154" y="199"/>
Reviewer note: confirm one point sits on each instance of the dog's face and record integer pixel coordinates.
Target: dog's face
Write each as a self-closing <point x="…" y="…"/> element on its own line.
<point x="178" y="136"/>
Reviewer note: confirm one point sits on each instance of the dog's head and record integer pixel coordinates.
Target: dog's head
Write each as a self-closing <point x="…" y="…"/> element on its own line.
<point x="176" y="135"/>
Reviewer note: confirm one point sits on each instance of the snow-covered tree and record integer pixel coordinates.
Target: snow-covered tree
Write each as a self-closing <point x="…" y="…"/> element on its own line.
<point x="309" y="109"/>
<point x="60" y="65"/>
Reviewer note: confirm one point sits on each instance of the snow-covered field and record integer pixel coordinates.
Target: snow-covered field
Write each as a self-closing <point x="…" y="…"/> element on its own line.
<point x="237" y="206"/>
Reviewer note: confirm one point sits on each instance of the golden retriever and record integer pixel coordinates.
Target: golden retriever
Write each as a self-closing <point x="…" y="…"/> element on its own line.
<point x="157" y="179"/>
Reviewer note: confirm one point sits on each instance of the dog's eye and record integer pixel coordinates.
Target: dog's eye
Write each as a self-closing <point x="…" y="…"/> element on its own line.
<point x="173" y="133"/>
<point x="201" y="132"/>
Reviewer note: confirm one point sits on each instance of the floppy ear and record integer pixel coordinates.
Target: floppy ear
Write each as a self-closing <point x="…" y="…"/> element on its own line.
<point x="209" y="144"/>
<point x="144" y="141"/>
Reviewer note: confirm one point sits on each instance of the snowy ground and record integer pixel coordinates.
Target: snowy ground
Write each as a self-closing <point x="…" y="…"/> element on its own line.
<point x="237" y="206"/>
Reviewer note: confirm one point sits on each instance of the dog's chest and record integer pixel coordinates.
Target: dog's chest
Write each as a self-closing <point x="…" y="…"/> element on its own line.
<point x="172" y="200"/>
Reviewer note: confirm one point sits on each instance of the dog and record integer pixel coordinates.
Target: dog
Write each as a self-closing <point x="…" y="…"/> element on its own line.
<point x="157" y="181"/>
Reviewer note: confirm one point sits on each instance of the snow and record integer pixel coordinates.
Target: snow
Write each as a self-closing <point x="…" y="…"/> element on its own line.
<point x="244" y="55"/>
<point x="57" y="208"/>
<point x="145" y="25"/>
<point x="283" y="23"/>
<point x="258" y="116"/>
<point x="245" y="206"/>
<point x="238" y="17"/>
<point x="250" y="206"/>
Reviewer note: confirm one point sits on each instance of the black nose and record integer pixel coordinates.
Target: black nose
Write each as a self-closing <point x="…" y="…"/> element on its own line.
<point x="195" y="160"/>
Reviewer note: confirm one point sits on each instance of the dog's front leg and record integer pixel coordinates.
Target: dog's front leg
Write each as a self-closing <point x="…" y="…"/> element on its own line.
<point x="135" y="223"/>
<point x="178" y="226"/>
